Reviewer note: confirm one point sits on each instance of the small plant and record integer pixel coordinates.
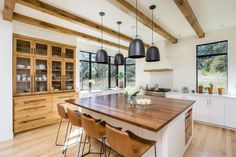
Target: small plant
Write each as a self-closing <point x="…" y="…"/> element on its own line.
<point x="211" y="85"/>
<point x="200" y="89"/>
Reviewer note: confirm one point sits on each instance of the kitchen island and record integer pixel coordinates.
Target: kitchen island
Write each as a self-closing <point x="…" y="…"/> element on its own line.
<point x="163" y="121"/>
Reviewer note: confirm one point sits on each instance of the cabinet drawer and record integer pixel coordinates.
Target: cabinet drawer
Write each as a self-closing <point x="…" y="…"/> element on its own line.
<point x="62" y="97"/>
<point x="31" y="112"/>
<point x="22" y="125"/>
<point x="27" y="103"/>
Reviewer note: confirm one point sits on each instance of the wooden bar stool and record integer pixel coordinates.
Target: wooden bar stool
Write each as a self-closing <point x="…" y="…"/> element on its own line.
<point x="62" y="113"/>
<point x="94" y="129"/>
<point x="126" y="143"/>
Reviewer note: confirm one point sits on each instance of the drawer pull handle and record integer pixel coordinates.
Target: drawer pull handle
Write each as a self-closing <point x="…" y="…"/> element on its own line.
<point x="39" y="100"/>
<point x="32" y="108"/>
<point x="33" y="120"/>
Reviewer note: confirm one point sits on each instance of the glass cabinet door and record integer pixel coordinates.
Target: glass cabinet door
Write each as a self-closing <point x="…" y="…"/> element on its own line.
<point x="69" y="53"/>
<point x="23" y="46"/>
<point x="41" y="75"/>
<point x="41" y="49"/>
<point x="69" y="76"/>
<point x="56" y="71"/>
<point x="23" y="83"/>
<point x="56" y="52"/>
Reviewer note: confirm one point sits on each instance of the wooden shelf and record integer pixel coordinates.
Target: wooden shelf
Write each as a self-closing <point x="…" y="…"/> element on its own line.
<point x="158" y="70"/>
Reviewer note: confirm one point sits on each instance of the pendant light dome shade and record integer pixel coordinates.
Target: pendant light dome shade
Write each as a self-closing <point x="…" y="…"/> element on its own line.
<point x="119" y="59"/>
<point x="153" y="54"/>
<point x="136" y="49"/>
<point x="101" y="56"/>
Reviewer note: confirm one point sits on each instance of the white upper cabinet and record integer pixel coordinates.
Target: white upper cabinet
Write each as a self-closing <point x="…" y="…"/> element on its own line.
<point x="230" y="110"/>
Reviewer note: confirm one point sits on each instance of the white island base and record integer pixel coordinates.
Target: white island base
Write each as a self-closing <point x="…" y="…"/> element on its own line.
<point x="170" y="139"/>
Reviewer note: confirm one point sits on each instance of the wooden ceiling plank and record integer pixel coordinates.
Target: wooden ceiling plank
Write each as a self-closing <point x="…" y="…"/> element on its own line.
<point x="9" y="6"/>
<point x="131" y="10"/>
<point x="49" y="9"/>
<point x="35" y="22"/>
<point x="187" y="11"/>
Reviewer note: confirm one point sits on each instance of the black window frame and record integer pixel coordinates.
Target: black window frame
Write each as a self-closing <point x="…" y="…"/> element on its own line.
<point x="109" y="68"/>
<point x="126" y="64"/>
<point x="212" y="55"/>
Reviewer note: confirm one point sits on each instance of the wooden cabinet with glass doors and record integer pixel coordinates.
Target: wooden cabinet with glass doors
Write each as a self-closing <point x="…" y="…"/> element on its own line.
<point x="42" y="66"/>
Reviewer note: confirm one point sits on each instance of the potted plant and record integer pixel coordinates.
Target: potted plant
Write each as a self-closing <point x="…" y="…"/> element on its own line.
<point x="121" y="77"/>
<point x="200" y="89"/>
<point x="210" y="88"/>
<point x="220" y="90"/>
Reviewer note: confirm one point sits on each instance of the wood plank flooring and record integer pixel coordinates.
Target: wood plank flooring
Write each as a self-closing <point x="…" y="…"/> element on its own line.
<point x="208" y="141"/>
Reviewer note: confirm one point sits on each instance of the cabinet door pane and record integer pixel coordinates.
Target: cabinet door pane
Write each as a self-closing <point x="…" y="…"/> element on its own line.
<point x="217" y="111"/>
<point x="23" y="75"/>
<point x="69" y="53"/>
<point x="41" y="76"/>
<point x="41" y="49"/>
<point x="202" y="107"/>
<point x="56" y="52"/>
<point x="69" y="78"/>
<point x="23" y="46"/>
<point x="56" y="76"/>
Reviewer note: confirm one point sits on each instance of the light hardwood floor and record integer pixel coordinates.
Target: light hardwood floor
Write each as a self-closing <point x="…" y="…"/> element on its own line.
<point x="208" y="141"/>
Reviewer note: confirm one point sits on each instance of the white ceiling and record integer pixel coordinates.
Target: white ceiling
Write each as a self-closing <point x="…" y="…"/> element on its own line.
<point x="212" y="15"/>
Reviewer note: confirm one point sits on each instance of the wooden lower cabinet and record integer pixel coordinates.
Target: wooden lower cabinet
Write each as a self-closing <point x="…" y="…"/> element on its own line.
<point x="38" y="110"/>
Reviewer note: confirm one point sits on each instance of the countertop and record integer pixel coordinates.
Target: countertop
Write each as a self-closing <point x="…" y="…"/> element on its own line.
<point x="156" y="116"/>
<point x="204" y="94"/>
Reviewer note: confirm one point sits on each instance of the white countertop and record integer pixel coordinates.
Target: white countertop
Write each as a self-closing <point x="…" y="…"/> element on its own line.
<point x="204" y="94"/>
<point x="100" y="92"/>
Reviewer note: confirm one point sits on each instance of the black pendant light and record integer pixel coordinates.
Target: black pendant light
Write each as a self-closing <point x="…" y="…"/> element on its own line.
<point x="153" y="54"/>
<point x="136" y="47"/>
<point x="101" y="55"/>
<point x="119" y="58"/>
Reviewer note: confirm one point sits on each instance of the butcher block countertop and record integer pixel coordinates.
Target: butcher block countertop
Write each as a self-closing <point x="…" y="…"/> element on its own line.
<point x="155" y="117"/>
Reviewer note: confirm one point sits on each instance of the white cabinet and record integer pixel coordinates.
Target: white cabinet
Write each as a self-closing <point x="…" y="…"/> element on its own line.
<point x="217" y="111"/>
<point x="210" y="110"/>
<point x="202" y="109"/>
<point x="230" y="110"/>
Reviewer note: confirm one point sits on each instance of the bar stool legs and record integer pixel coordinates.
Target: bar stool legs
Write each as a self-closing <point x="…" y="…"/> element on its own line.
<point x="58" y="132"/>
<point x="102" y="149"/>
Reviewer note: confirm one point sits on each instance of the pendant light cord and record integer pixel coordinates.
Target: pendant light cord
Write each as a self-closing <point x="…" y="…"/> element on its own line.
<point x="152" y="28"/>
<point x="101" y="30"/>
<point x="136" y="18"/>
<point x="119" y="37"/>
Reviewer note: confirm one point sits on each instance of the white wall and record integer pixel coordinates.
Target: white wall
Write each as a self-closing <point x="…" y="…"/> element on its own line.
<point x="6" y="128"/>
<point x="164" y="79"/>
<point x="183" y="58"/>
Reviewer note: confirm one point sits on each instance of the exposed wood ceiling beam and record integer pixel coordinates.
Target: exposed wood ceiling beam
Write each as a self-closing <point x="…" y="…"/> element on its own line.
<point x="131" y="10"/>
<point x="9" y="6"/>
<point x="49" y="9"/>
<point x="35" y="22"/>
<point x="187" y="11"/>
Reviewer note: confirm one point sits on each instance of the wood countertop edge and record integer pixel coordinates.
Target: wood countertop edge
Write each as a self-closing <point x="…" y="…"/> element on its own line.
<point x="71" y="101"/>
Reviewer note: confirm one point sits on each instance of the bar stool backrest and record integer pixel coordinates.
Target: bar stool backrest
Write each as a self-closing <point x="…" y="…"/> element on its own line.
<point x="118" y="140"/>
<point x="61" y="111"/>
<point x="74" y="117"/>
<point x="91" y="127"/>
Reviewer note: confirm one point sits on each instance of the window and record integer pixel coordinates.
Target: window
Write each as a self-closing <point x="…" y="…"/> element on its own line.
<point x="129" y="72"/>
<point x="212" y="64"/>
<point x="104" y="75"/>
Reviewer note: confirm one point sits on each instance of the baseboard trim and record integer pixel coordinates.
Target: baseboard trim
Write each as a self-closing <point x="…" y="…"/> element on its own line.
<point x="214" y="125"/>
